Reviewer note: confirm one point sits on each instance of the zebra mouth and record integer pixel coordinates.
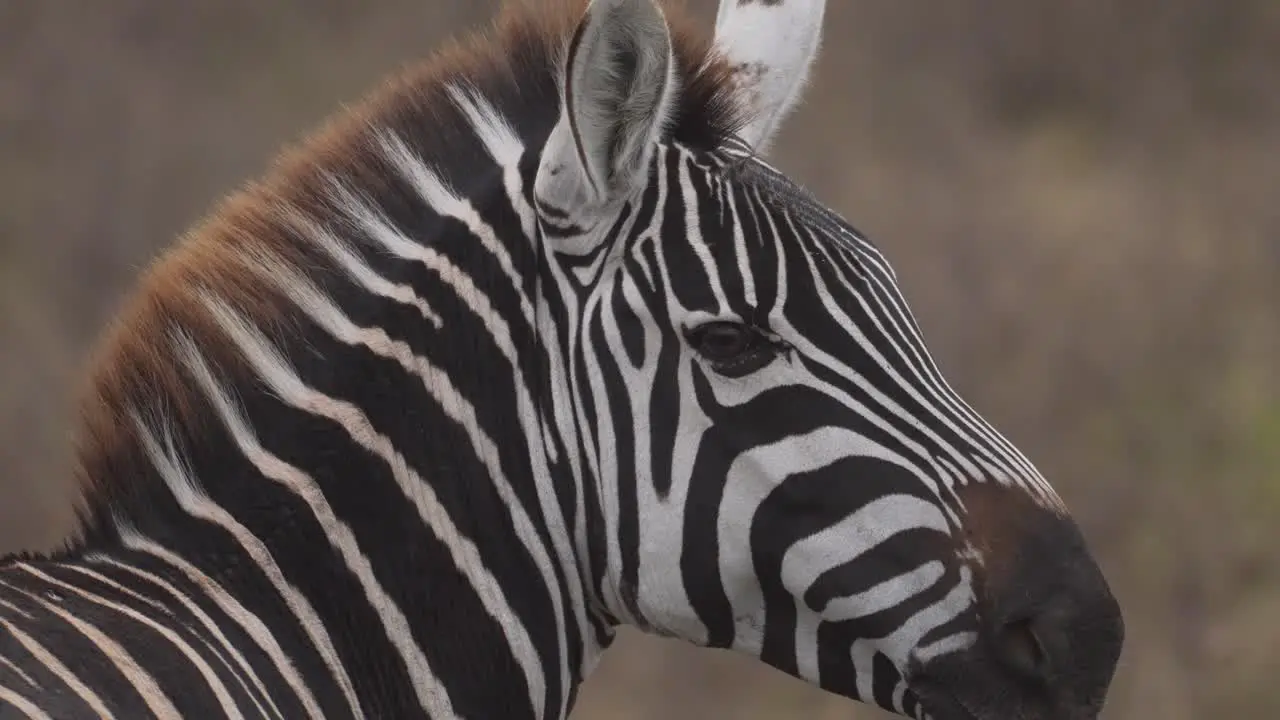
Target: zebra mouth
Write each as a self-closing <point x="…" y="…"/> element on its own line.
<point x="947" y="710"/>
<point x="940" y="704"/>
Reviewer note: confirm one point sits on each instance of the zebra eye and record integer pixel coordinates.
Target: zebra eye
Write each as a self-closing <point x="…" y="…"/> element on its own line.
<point x="732" y="348"/>
<point x="721" y="341"/>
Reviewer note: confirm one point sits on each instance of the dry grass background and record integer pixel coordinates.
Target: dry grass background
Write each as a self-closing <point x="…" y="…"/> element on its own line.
<point x="1082" y="201"/>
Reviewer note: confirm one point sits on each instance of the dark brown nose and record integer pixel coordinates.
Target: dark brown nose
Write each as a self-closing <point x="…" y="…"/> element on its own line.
<point x="1050" y="631"/>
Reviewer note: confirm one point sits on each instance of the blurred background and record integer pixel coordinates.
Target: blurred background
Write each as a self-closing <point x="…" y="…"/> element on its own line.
<point x="1082" y="201"/>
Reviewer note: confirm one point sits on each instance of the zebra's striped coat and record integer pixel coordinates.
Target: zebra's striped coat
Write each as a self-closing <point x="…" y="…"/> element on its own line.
<point x="506" y="356"/>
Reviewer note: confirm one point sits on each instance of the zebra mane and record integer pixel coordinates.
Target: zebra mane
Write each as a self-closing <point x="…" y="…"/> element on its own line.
<point x="514" y="66"/>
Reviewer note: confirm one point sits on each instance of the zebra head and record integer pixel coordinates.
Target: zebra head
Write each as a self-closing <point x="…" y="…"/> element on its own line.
<point x="778" y="465"/>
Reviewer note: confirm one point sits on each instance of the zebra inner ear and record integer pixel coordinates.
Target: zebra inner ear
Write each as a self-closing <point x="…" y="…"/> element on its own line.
<point x="618" y="89"/>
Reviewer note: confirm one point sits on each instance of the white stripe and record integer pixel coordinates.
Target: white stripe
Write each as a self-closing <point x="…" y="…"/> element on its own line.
<point x="356" y="268"/>
<point x="899" y="695"/>
<point x="504" y="146"/>
<point x="22" y="704"/>
<point x="701" y="247"/>
<point x="228" y="705"/>
<point x="197" y="504"/>
<point x="863" y="653"/>
<point x="856" y="534"/>
<point x="444" y="201"/>
<point x="779" y="249"/>
<point x="808" y="625"/>
<point x="55" y="666"/>
<point x="16" y="610"/>
<point x="250" y="623"/>
<point x="14" y="668"/>
<point x="740" y="247"/>
<point x="955" y="642"/>
<point x="142" y="681"/>
<point x="885" y="594"/>
<point x="600" y="428"/>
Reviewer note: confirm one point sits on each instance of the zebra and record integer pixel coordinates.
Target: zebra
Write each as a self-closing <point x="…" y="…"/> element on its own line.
<point x="532" y="343"/>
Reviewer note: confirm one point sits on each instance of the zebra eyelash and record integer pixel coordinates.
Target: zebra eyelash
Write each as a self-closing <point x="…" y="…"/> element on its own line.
<point x="760" y="347"/>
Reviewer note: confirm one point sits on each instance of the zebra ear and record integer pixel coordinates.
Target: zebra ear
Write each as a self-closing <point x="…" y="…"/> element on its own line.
<point x="771" y="45"/>
<point x="618" y="89"/>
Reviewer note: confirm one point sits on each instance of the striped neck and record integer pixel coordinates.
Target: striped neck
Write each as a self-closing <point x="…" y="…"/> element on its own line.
<point x="343" y="402"/>
<point x="388" y="499"/>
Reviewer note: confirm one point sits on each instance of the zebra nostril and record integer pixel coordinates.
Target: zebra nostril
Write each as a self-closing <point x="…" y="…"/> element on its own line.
<point x="1021" y="648"/>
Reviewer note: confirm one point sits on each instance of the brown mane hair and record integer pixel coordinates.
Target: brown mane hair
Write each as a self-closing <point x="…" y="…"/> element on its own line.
<point x="513" y="65"/>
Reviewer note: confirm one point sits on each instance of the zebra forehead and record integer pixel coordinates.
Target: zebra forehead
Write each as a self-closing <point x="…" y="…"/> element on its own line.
<point x="806" y="216"/>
